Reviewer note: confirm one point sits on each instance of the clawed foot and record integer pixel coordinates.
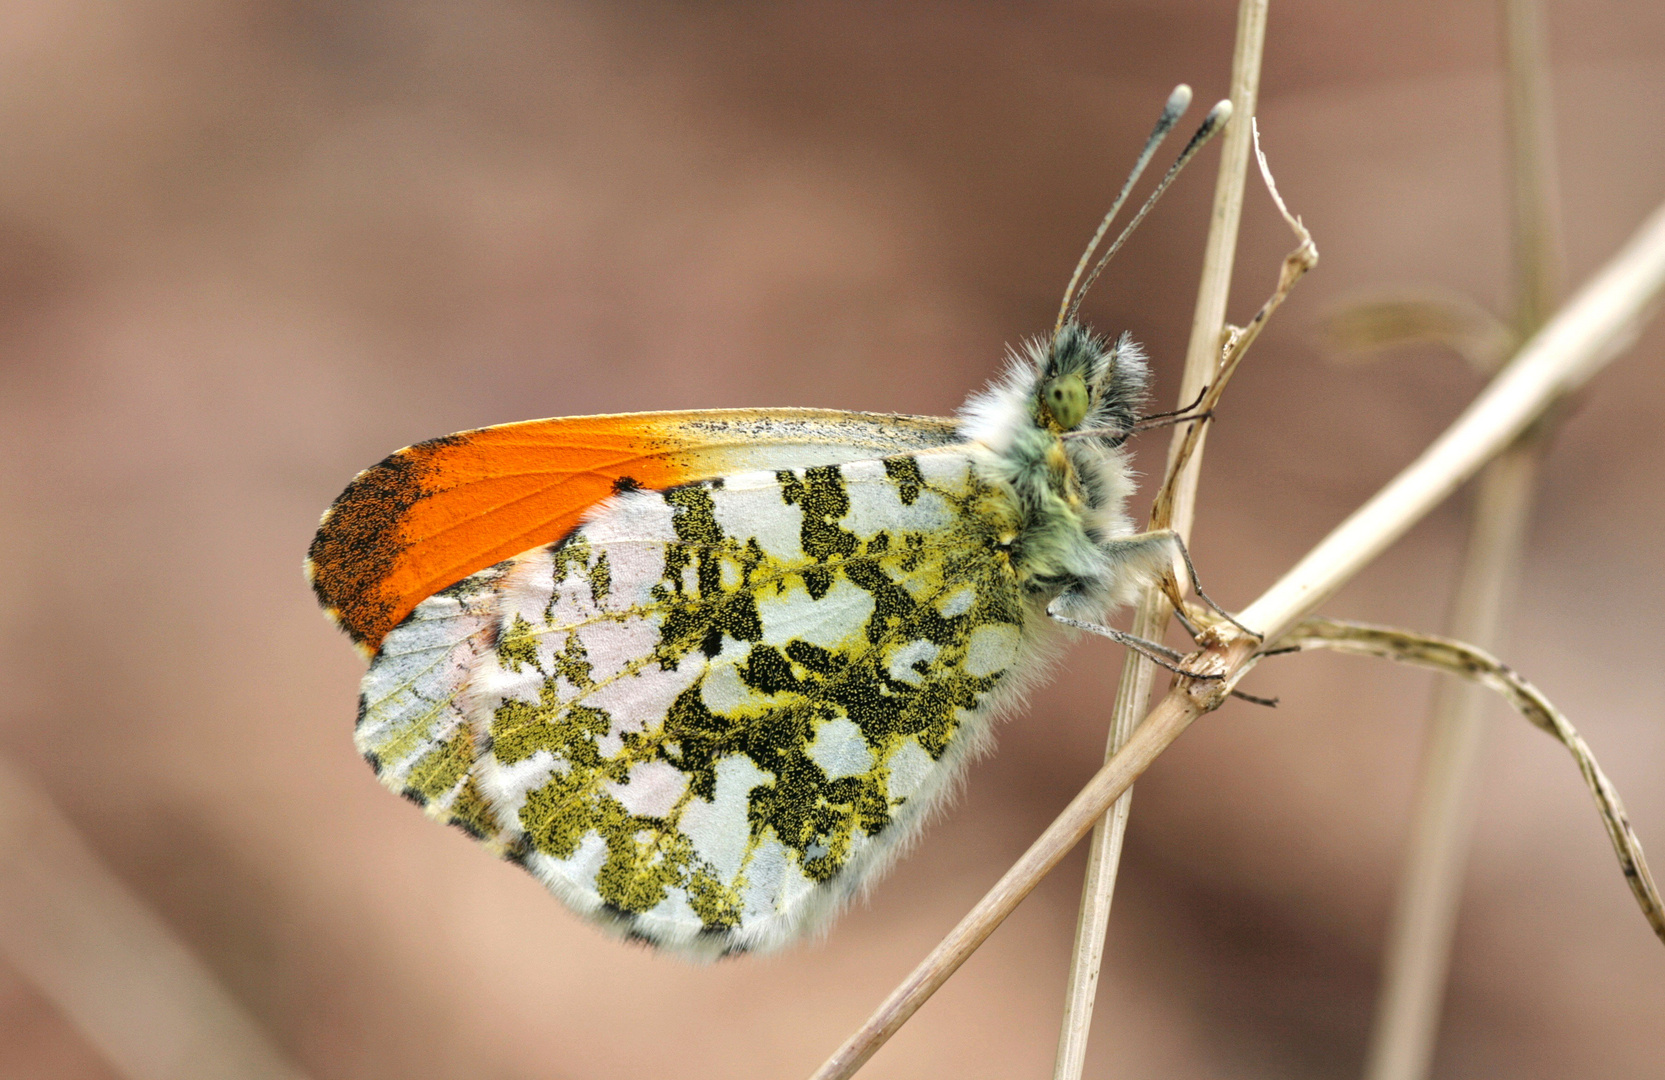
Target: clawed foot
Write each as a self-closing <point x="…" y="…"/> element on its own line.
<point x="1159" y="654"/>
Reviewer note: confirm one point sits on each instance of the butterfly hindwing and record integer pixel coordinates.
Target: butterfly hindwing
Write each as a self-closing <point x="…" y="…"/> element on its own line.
<point x="713" y="711"/>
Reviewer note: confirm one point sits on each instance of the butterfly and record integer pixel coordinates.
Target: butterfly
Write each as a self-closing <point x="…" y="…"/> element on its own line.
<point x="706" y="674"/>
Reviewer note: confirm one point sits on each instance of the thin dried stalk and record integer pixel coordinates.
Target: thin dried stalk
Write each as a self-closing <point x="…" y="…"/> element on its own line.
<point x="1161" y="727"/>
<point x="1575" y="344"/>
<point x="1537" y="223"/>
<point x="1477" y="665"/>
<point x="1188" y="442"/>
<point x="1424" y="922"/>
<point x="1425" y="916"/>
<point x="1557" y="360"/>
<point x="109" y="964"/>
<point x="1202" y="354"/>
<point x="1151" y="616"/>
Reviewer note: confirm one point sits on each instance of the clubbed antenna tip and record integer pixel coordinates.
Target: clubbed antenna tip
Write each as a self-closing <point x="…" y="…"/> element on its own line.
<point x="1178" y="102"/>
<point x="1211" y="125"/>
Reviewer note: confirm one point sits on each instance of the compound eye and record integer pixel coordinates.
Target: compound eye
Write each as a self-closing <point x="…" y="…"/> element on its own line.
<point x="1066" y="400"/>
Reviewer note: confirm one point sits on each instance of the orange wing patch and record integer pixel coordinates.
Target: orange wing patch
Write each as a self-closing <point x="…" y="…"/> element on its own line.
<point x="431" y="514"/>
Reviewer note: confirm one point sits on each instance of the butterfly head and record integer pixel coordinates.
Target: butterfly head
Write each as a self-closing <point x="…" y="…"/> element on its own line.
<point x="1083" y="382"/>
<point x="1078" y="381"/>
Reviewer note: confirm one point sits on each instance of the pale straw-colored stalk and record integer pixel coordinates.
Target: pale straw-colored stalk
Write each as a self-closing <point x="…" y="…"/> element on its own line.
<point x="1575" y="344"/>
<point x="108" y="962"/>
<point x="1420" y="931"/>
<point x="1535" y="194"/>
<point x="1150" y="620"/>
<point x="1416" y="960"/>
<point x="1582" y="337"/>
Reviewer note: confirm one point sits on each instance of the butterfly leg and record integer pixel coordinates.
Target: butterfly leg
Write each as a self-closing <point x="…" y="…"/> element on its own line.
<point x="1155" y="652"/>
<point x="1140" y="546"/>
<point x="1177" y="416"/>
<point x="1190" y="627"/>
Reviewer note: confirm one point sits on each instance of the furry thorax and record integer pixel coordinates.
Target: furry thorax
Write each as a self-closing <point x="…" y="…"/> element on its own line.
<point x="1070" y="494"/>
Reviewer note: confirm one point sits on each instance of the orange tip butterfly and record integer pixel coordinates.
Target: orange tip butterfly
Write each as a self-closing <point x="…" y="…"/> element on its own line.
<point x="705" y="674"/>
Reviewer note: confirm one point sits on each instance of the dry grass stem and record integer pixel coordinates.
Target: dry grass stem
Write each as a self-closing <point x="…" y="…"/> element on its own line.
<point x="1160" y="728"/>
<point x="1202" y="353"/>
<point x="1475" y="664"/>
<point x="109" y="964"/>
<point x="1417" y="956"/>
<point x="1536" y="223"/>
<point x="1576" y="343"/>
<point x="1153" y="611"/>
<point x="1558" y="359"/>
<point x="1188" y="442"/>
<point x="1419" y="938"/>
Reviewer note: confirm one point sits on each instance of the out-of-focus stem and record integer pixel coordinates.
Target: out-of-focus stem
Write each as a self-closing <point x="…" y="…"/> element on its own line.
<point x="1417" y="959"/>
<point x="1536" y="196"/>
<point x="1419" y="937"/>
<point x="1150" y="621"/>
<point x="108" y="962"/>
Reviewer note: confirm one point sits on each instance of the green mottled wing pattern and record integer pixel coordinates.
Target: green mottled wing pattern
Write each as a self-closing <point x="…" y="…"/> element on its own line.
<point x="712" y="712"/>
<point x="412" y="724"/>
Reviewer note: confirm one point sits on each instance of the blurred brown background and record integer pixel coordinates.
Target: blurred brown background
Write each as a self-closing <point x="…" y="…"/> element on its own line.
<point x="248" y="248"/>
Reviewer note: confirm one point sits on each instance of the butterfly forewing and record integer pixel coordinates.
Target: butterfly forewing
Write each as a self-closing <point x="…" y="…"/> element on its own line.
<point x="429" y="515"/>
<point x="711" y="711"/>
<point x="413" y="725"/>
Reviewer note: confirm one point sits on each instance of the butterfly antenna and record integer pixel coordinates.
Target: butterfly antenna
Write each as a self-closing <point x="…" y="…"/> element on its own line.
<point x="1211" y="125"/>
<point x="1178" y="102"/>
